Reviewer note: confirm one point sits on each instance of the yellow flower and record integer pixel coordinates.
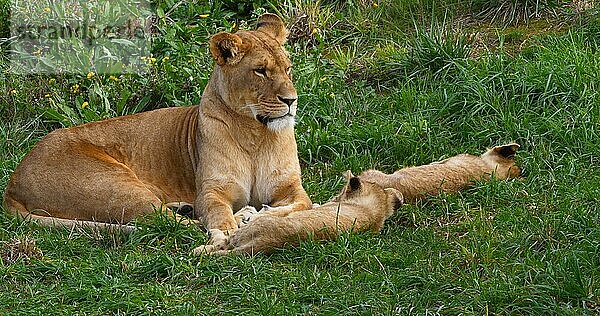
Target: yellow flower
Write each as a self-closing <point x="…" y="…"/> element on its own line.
<point x="47" y="95"/>
<point x="323" y="79"/>
<point x="84" y="105"/>
<point x="148" y="59"/>
<point x="47" y="10"/>
<point x="204" y="16"/>
<point x="315" y="30"/>
<point x="165" y="59"/>
<point x="375" y="4"/>
<point x="90" y="75"/>
<point x="332" y="95"/>
<point x="113" y="78"/>
<point x="75" y="88"/>
<point x="51" y="80"/>
<point x="13" y="91"/>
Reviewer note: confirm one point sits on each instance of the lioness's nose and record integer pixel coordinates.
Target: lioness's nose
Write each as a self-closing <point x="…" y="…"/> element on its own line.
<point x="287" y="100"/>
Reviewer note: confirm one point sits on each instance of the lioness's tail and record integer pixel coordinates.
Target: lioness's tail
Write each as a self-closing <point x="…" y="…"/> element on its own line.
<point x="18" y="209"/>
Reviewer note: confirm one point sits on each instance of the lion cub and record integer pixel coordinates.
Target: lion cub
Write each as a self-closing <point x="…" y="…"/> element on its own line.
<point x="450" y="175"/>
<point x="361" y="206"/>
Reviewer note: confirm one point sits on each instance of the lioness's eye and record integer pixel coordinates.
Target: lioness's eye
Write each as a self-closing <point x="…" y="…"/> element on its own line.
<point x="261" y="71"/>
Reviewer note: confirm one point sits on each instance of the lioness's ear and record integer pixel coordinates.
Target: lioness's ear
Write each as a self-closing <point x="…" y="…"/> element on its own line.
<point x="395" y="198"/>
<point x="272" y="25"/>
<point x="227" y="48"/>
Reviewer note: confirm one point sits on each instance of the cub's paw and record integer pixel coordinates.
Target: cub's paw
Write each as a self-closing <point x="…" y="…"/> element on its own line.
<point x="222" y="252"/>
<point x="205" y="250"/>
<point x="243" y="216"/>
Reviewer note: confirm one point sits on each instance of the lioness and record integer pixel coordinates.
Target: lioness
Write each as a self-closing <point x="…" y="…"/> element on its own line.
<point x="449" y="175"/>
<point x="361" y="206"/>
<point x="236" y="148"/>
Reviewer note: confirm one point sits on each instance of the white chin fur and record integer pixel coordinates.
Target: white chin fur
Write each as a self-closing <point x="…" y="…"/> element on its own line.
<point x="281" y="124"/>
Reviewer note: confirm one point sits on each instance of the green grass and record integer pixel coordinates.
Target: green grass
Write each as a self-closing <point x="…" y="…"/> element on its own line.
<point x="375" y="92"/>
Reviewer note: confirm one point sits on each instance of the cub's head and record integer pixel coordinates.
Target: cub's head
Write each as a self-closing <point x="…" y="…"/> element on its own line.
<point x="502" y="160"/>
<point x="371" y="194"/>
<point x="253" y="73"/>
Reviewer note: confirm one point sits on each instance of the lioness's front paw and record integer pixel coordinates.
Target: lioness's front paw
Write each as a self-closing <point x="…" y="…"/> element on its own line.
<point x="243" y="216"/>
<point x="219" y="238"/>
<point x="219" y="241"/>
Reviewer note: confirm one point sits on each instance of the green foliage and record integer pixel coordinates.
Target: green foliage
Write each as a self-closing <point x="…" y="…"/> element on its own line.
<point x="174" y="73"/>
<point x="4" y="16"/>
<point x="380" y="86"/>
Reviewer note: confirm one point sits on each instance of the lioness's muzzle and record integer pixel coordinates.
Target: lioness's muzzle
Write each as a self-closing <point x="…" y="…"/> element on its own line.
<point x="265" y="119"/>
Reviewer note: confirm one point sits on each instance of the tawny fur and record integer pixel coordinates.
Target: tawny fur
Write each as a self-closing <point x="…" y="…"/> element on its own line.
<point x="236" y="148"/>
<point x="362" y="206"/>
<point x="450" y="175"/>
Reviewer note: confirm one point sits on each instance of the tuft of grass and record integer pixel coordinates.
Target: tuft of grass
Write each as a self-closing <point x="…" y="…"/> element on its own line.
<point x="160" y="231"/>
<point x="431" y="53"/>
<point x="508" y="12"/>
<point x="23" y="248"/>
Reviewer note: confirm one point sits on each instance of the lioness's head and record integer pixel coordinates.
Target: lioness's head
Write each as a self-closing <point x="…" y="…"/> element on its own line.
<point x="254" y="73"/>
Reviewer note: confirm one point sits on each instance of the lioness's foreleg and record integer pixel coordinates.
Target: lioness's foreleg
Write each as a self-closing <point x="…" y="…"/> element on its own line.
<point x="214" y="209"/>
<point x="215" y="212"/>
